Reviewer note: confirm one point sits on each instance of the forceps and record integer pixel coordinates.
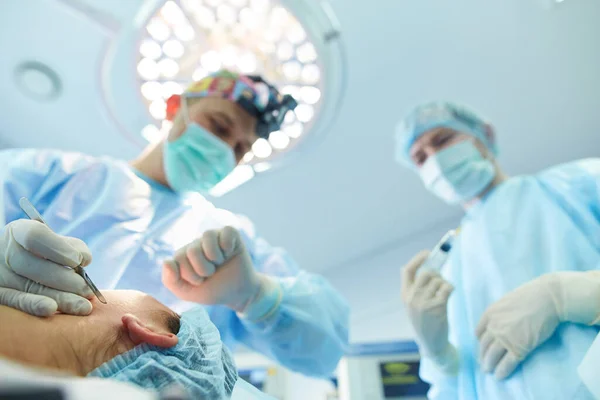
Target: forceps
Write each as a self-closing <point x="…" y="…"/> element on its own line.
<point x="33" y="214"/>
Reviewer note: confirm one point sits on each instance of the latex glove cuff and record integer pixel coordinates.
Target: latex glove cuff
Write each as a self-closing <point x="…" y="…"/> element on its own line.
<point x="265" y="303"/>
<point x="576" y="296"/>
<point x="447" y="361"/>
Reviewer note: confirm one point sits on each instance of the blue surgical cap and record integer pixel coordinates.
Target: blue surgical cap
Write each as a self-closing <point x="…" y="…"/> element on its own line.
<point x="199" y="364"/>
<point x="434" y="115"/>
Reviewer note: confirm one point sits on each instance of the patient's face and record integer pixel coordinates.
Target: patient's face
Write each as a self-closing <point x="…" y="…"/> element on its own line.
<point x="79" y="344"/>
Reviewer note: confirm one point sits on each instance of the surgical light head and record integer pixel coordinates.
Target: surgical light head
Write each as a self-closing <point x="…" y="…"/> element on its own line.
<point x="199" y="364"/>
<point x="255" y="95"/>
<point x="432" y="115"/>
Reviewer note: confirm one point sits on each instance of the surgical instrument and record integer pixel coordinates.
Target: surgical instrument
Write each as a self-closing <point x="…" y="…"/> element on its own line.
<point x="440" y="253"/>
<point x="33" y="214"/>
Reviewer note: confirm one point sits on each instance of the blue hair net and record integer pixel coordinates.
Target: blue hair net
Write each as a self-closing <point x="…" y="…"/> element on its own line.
<point x="434" y="115"/>
<point x="199" y="363"/>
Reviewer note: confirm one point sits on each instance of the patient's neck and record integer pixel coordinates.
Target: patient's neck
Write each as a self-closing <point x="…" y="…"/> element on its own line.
<point x="60" y="342"/>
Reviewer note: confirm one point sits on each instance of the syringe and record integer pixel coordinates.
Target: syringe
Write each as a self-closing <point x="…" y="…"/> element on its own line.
<point x="440" y="253"/>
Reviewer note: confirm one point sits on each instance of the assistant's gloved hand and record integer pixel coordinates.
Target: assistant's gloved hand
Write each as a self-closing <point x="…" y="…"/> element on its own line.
<point x="217" y="269"/>
<point x="426" y="297"/>
<point x="33" y="278"/>
<point x="523" y="319"/>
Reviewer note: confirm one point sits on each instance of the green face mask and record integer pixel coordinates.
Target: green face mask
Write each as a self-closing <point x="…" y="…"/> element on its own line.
<point x="198" y="160"/>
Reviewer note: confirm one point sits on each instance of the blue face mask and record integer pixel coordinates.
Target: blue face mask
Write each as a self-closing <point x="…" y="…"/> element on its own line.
<point x="197" y="160"/>
<point x="458" y="173"/>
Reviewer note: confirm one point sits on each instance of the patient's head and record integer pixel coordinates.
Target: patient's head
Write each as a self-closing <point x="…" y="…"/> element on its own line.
<point x="133" y="338"/>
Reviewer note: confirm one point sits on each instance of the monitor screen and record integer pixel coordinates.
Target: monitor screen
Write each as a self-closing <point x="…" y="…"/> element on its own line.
<point x="401" y="379"/>
<point x="255" y="377"/>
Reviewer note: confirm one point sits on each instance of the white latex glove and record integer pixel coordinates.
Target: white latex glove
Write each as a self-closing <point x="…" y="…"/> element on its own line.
<point x="426" y="297"/>
<point x="523" y="319"/>
<point x="33" y="278"/>
<point x="216" y="269"/>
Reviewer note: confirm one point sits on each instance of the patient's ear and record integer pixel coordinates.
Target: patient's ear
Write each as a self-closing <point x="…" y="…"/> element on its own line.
<point x="140" y="333"/>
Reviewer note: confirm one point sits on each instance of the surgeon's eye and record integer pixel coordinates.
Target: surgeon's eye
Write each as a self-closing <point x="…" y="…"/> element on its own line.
<point x="220" y="129"/>
<point x="419" y="158"/>
<point x="442" y="139"/>
<point x="241" y="149"/>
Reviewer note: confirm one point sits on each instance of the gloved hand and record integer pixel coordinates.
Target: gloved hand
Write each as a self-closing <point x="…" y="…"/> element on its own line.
<point x="426" y="297"/>
<point x="523" y="319"/>
<point x="33" y="278"/>
<point x="217" y="269"/>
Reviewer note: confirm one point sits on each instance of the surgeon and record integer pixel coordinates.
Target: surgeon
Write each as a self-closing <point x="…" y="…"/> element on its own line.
<point x="517" y="305"/>
<point x="151" y="228"/>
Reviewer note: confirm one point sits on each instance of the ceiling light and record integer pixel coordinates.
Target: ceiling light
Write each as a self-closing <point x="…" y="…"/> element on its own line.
<point x="247" y="63"/>
<point x="285" y="51"/>
<point x="311" y="74"/>
<point x="158" y="109"/>
<point x="148" y="69"/>
<point x="306" y="53"/>
<point x="293" y="91"/>
<point x="289" y="117"/>
<point x="259" y="5"/>
<point x="261" y="148"/>
<point x="199" y="73"/>
<point x="304" y="112"/>
<point x="172" y="13"/>
<point x="240" y="175"/>
<point x="229" y="56"/>
<point x="187" y="40"/>
<point x="184" y="32"/>
<point x="262" y="167"/>
<point x="170" y="88"/>
<point x="279" y="140"/>
<point x="293" y="130"/>
<point x="151" y="133"/>
<point x="165" y="127"/>
<point x="205" y="18"/>
<point x="168" y="68"/>
<point x="211" y="61"/>
<point x="292" y="70"/>
<point x="248" y="19"/>
<point x="173" y="48"/>
<point x="310" y="94"/>
<point x="226" y="14"/>
<point x="296" y="33"/>
<point x="158" y="30"/>
<point x="150" y="49"/>
<point x="151" y="90"/>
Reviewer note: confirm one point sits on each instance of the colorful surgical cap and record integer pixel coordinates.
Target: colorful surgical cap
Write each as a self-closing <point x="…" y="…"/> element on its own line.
<point x="252" y="93"/>
<point x="199" y="364"/>
<point x="434" y="115"/>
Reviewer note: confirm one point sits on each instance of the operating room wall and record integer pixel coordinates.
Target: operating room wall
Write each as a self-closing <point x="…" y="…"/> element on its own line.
<point x="372" y="286"/>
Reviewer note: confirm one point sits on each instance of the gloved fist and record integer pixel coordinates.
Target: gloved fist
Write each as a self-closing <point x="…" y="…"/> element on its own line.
<point x="426" y="297"/>
<point x="215" y="269"/>
<point x="523" y="319"/>
<point x="33" y="278"/>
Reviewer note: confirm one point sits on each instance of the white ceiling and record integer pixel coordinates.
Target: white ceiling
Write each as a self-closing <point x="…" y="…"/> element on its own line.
<point x="532" y="71"/>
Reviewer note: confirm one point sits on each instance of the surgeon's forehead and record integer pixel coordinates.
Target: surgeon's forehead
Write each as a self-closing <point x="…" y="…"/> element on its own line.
<point x="230" y="110"/>
<point x="428" y="136"/>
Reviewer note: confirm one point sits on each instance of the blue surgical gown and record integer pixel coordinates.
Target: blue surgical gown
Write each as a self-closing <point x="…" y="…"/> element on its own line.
<point x="131" y="224"/>
<point x="526" y="227"/>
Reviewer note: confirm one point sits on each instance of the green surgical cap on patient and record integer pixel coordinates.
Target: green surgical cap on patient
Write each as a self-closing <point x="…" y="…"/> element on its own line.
<point x="199" y="364"/>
